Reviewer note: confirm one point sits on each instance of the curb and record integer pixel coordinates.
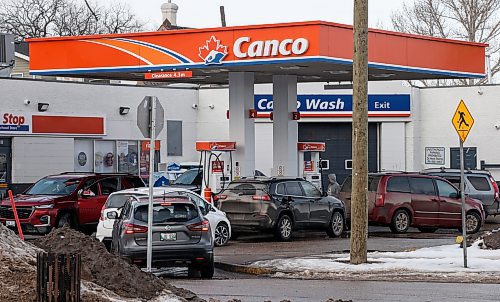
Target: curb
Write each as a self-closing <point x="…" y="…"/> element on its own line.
<point x="237" y="268"/>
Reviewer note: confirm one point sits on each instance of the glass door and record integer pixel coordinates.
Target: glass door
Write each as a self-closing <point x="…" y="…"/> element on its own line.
<point x="5" y="166"/>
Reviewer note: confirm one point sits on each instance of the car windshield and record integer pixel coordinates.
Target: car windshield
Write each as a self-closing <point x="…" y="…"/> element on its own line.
<point x="167" y="212"/>
<point x="187" y="178"/>
<point x="54" y="186"/>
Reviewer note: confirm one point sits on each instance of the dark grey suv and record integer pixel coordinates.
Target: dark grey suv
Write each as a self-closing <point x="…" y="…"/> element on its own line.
<point x="479" y="184"/>
<point x="280" y="205"/>
<point x="181" y="236"/>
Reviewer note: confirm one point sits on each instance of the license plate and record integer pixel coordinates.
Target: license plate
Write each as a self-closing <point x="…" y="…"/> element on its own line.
<point x="238" y="216"/>
<point x="168" y="236"/>
<point x="10" y="223"/>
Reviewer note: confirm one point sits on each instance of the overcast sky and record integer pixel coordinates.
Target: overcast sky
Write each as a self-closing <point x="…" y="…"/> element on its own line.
<point x="205" y="13"/>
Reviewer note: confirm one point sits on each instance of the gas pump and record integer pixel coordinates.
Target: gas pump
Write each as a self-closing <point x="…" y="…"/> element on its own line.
<point x="309" y="169"/>
<point x="216" y="159"/>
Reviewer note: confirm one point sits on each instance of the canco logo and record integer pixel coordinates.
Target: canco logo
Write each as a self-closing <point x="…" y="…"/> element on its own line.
<point x="243" y="47"/>
<point x="213" y="52"/>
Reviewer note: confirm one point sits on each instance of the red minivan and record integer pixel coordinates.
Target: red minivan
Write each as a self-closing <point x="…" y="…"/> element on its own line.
<point x="401" y="200"/>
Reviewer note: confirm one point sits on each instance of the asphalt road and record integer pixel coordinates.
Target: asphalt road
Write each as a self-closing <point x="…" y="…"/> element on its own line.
<point x="226" y="286"/>
<point x="264" y="289"/>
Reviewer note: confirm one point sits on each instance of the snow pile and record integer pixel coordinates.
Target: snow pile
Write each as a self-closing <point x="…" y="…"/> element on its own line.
<point x="18" y="275"/>
<point x="444" y="260"/>
<point x="17" y="268"/>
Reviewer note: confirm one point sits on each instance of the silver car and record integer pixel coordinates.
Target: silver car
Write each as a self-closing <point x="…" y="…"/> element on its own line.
<point x="181" y="235"/>
<point x="479" y="184"/>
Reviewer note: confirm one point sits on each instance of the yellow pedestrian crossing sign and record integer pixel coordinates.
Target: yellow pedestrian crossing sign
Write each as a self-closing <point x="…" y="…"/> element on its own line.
<point x="462" y="121"/>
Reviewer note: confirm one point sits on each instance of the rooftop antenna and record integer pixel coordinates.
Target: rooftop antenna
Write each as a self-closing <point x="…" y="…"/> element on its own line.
<point x="222" y="16"/>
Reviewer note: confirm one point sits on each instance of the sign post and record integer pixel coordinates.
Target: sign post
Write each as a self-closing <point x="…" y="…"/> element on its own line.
<point x="150" y="120"/>
<point x="462" y="121"/>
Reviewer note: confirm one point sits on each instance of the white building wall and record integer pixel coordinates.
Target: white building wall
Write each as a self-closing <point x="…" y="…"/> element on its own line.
<point x="437" y="108"/>
<point x="413" y="134"/>
<point x="36" y="157"/>
<point x="392" y="146"/>
<point x="213" y="124"/>
<point x="94" y="100"/>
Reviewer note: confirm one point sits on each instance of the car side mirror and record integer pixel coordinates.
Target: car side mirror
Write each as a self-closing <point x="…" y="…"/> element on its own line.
<point x="112" y="215"/>
<point x="86" y="193"/>
<point x="455" y="195"/>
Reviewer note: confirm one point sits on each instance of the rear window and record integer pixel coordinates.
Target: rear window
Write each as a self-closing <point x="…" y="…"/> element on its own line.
<point x="398" y="184"/>
<point x="244" y="188"/>
<point x="373" y="181"/>
<point x="293" y="189"/>
<point x="422" y="185"/>
<point x="135" y="182"/>
<point x="117" y="200"/>
<point x="347" y="184"/>
<point x="479" y="183"/>
<point x="175" y="212"/>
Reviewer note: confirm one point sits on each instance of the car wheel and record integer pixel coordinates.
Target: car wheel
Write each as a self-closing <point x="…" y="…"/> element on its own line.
<point x="221" y="234"/>
<point x="400" y="222"/>
<point x="65" y="219"/>
<point x="427" y="229"/>
<point x="207" y="271"/>
<point x="472" y="222"/>
<point x="336" y="226"/>
<point x="284" y="228"/>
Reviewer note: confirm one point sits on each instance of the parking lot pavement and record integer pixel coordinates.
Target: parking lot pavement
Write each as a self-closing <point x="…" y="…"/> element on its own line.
<point x="255" y="248"/>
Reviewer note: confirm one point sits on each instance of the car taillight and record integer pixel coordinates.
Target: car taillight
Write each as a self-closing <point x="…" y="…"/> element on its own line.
<point x="203" y="226"/>
<point x="495" y="187"/>
<point x="379" y="200"/>
<point x="102" y="213"/>
<point x="135" y="229"/>
<point x="221" y="197"/>
<point x="261" y="197"/>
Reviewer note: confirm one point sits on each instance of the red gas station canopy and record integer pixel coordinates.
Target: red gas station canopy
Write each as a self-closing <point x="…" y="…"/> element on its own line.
<point x="314" y="51"/>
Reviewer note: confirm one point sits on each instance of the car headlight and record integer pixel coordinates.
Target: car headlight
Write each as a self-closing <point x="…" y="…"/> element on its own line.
<point x="44" y="206"/>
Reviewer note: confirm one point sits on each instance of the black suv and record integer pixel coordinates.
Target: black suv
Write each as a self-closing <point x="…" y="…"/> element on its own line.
<point x="280" y="205"/>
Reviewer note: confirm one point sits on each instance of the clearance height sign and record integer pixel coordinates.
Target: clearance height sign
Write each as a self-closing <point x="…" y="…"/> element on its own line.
<point x="340" y="105"/>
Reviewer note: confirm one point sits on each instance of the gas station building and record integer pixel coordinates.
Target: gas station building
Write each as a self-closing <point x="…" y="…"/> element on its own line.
<point x="245" y="76"/>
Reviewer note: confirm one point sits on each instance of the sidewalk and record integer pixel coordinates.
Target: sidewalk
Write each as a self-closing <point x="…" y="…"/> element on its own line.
<point x="239" y="254"/>
<point x="390" y="259"/>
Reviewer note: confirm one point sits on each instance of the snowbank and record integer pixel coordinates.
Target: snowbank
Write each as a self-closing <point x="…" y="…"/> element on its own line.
<point x="446" y="259"/>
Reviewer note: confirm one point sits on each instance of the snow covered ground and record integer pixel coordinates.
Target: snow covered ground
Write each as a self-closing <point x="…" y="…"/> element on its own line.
<point x="433" y="261"/>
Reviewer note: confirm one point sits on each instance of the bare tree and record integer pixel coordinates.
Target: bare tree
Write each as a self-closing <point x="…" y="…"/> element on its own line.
<point x="469" y="20"/>
<point x="43" y="18"/>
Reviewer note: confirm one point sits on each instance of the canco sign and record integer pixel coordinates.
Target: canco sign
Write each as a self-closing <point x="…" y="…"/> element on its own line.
<point x="245" y="47"/>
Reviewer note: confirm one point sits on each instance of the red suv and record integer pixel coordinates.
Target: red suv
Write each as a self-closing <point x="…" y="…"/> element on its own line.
<point x="68" y="198"/>
<point x="401" y="200"/>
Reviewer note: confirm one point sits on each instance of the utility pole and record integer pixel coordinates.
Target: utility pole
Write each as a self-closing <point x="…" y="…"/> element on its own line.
<point x="359" y="206"/>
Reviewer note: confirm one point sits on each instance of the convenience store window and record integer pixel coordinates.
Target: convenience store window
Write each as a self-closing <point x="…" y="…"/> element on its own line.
<point x="128" y="156"/>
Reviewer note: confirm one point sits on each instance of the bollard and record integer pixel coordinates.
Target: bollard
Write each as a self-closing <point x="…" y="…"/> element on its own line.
<point x="58" y="277"/>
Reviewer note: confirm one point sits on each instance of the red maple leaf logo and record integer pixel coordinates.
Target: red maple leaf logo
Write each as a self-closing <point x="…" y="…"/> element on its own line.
<point x="211" y="47"/>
